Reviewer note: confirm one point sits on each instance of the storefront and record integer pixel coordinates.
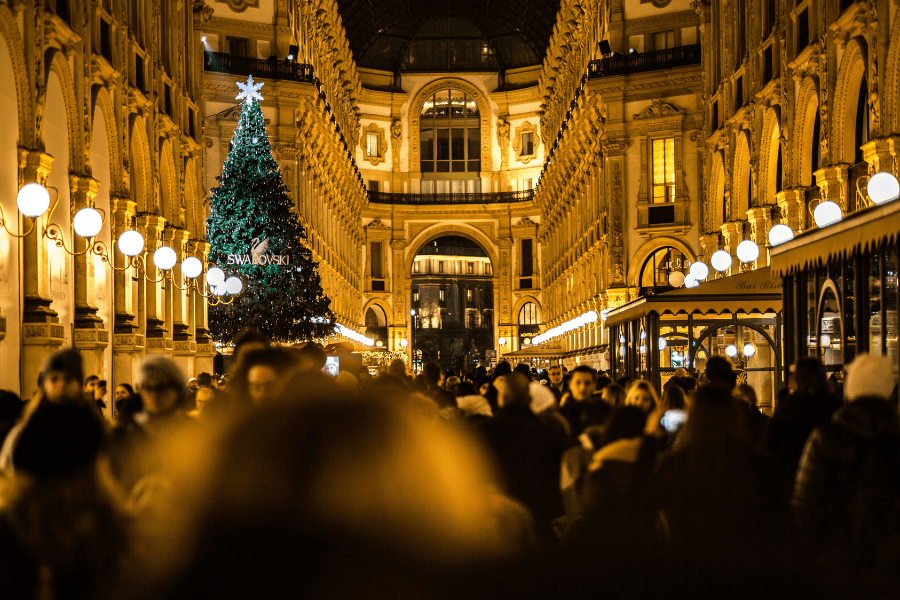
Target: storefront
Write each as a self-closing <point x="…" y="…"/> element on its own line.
<point x="736" y="317"/>
<point x="840" y="288"/>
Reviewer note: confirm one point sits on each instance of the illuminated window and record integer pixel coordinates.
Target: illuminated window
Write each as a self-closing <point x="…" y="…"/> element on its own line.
<point x="468" y="295"/>
<point x="470" y="269"/>
<point x="664" y="170"/>
<point x="663" y="40"/>
<point x="528" y="314"/>
<point x="450" y="133"/>
<point x="441" y="295"/>
<point x="527" y="144"/>
<point x="372" y="145"/>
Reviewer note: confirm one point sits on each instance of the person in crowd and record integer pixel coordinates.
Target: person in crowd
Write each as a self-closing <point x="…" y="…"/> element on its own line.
<point x="11" y="407"/>
<point x="527" y="452"/>
<point x="581" y="387"/>
<point x="719" y="371"/>
<point x="246" y="341"/>
<point x="613" y="394"/>
<point x="397" y="368"/>
<point x="261" y="375"/>
<point x="846" y="497"/>
<point x="123" y="394"/>
<point x="808" y="405"/>
<point x="713" y="492"/>
<point x="451" y="382"/>
<point x="556" y="380"/>
<point x="642" y="395"/>
<point x="433" y="377"/>
<point x="474" y="406"/>
<point x="204" y="379"/>
<point x="90" y="387"/>
<point x="666" y="420"/>
<point x="193" y="384"/>
<point x="756" y="421"/>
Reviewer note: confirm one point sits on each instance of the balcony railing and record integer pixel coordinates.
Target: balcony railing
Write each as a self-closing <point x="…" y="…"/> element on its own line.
<point x="626" y="64"/>
<point x="451" y="251"/>
<point x="222" y="62"/>
<point x="483" y="198"/>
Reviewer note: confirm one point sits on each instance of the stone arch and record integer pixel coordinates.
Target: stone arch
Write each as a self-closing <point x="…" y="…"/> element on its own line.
<point x="647" y="249"/>
<point x="103" y="108"/>
<point x="716" y="201"/>
<point x="769" y="148"/>
<point x="522" y="302"/>
<point x="438" y="230"/>
<point x="807" y="108"/>
<point x="56" y="63"/>
<point x="168" y="195"/>
<point x="849" y="77"/>
<point x="383" y="305"/>
<point x="9" y="32"/>
<point x="740" y="182"/>
<point x="484" y="111"/>
<point x="890" y="103"/>
<point x="141" y="185"/>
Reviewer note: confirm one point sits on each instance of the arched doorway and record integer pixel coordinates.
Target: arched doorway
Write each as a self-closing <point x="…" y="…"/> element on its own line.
<point x="452" y="304"/>
<point x="656" y="272"/>
<point x="376" y="325"/>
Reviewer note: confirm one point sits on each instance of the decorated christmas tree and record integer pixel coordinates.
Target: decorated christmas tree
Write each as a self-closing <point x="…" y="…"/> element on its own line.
<point x="254" y="234"/>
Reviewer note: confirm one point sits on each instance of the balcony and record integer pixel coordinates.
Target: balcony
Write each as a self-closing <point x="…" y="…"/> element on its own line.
<point x="222" y="62"/>
<point x="628" y="64"/>
<point x="481" y="198"/>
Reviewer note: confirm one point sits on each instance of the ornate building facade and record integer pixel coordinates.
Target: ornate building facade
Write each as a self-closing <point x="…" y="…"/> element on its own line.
<point x="102" y="105"/>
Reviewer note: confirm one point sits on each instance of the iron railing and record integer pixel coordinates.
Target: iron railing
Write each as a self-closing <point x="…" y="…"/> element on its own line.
<point x="451" y="251"/>
<point x="626" y="64"/>
<point x="222" y="62"/>
<point x="481" y="198"/>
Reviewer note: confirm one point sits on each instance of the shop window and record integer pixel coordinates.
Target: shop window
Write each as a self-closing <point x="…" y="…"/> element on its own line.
<point x="663" y="170"/>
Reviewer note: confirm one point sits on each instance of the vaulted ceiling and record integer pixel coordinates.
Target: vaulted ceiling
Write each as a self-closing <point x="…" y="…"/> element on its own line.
<point x="380" y="32"/>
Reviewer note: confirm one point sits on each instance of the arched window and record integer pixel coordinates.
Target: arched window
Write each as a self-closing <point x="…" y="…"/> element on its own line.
<point x="662" y="263"/>
<point x="450" y="133"/>
<point x="528" y="314"/>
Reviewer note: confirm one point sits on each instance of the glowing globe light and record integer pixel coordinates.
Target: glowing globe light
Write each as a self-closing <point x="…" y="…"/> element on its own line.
<point x="731" y="350"/>
<point x="379" y="343"/>
<point x="690" y="281"/>
<point x="412" y="313"/>
<point x="643" y="349"/>
<point x="747" y="251"/>
<point x="131" y="243"/>
<point x="676" y="279"/>
<point x="502" y="341"/>
<point x="699" y="270"/>
<point x="233" y="285"/>
<point x="883" y="187"/>
<point x="191" y="267"/>
<point x="590" y="316"/>
<point x="215" y="277"/>
<point x="87" y="222"/>
<point x="749" y="350"/>
<point x="826" y="340"/>
<point x="404" y="343"/>
<point x="217" y="290"/>
<point x="33" y="200"/>
<point x="526" y="341"/>
<point x="720" y="260"/>
<point x="164" y="258"/>
<point x="780" y="234"/>
<point x="662" y="343"/>
<point x="827" y="213"/>
<point x="643" y="335"/>
<point x="621" y="339"/>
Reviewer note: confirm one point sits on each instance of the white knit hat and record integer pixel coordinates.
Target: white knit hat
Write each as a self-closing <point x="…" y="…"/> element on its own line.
<point x="541" y="397"/>
<point x="869" y="375"/>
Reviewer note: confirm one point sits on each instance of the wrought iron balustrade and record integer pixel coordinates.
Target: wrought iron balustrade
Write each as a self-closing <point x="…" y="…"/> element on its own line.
<point x="222" y="62"/>
<point x="641" y="62"/>
<point x="480" y="198"/>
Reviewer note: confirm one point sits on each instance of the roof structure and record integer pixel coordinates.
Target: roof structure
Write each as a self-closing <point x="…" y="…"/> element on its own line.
<point x="462" y="35"/>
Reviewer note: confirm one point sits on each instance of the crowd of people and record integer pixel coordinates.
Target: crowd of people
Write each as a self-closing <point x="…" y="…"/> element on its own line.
<point x="283" y="481"/>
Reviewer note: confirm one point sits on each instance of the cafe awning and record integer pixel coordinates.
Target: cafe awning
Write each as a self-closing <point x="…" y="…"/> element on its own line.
<point x="756" y="291"/>
<point x="858" y="232"/>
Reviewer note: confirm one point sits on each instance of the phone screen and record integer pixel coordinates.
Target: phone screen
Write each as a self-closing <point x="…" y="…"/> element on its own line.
<point x="673" y="420"/>
<point x="332" y="366"/>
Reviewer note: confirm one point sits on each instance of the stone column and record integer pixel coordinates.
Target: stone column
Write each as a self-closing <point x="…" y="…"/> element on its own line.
<point x="833" y="183"/>
<point x="158" y="338"/>
<point x="400" y="293"/>
<point x="760" y="219"/>
<point x="128" y="341"/>
<point x="792" y="204"/>
<point x="183" y="344"/>
<point x="41" y="332"/>
<point x="881" y="154"/>
<point x="708" y="245"/>
<point x="205" y="348"/>
<point x="732" y="235"/>
<point x="91" y="337"/>
<point x="503" y="290"/>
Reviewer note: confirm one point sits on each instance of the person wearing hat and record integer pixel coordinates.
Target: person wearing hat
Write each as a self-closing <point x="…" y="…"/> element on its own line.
<point x="846" y="497"/>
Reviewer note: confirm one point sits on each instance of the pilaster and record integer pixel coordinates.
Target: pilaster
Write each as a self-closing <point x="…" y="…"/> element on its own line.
<point x="760" y="219"/>
<point x="881" y="154"/>
<point x="154" y="308"/>
<point x="732" y="235"/>
<point x="832" y="182"/>
<point x="791" y="204"/>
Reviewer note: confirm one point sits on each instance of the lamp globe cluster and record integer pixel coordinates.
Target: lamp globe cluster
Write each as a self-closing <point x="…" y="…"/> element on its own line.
<point x="356" y="337"/>
<point x="570" y="325"/>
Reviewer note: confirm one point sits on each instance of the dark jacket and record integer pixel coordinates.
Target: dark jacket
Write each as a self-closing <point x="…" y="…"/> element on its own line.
<point x="847" y="493"/>
<point x="528" y="454"/>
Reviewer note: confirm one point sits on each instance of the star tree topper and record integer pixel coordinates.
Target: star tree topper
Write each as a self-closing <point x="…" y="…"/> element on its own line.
<point x="249" y="90"/>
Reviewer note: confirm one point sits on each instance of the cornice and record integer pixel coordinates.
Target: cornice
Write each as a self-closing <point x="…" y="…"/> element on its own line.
<point x="239" y="26"/>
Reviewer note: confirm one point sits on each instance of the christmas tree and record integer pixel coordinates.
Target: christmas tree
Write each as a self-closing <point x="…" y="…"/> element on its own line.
<point x="254" y="234"/>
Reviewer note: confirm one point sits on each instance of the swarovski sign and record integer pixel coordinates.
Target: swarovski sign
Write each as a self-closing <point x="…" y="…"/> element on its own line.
<point x="258" y="255"/>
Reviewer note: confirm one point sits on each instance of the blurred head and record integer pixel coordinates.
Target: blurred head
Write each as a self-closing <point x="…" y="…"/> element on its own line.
<point x="719" y="371"/>
<point x="192" y="384"/>
<point x="556" y="375"/>
<point x="613" y="394"/>
<point x="90" y="385"/>
<point x="162" y="385"/>
<point x="123" y="391"/>
<point x="397" y="367"/>
<point x="716" y="421"/>
<point x="264" y="371"/>
<point x="808" y="375"/>
<point x="482" y="385"/>
<point x="868" y="376"/>
<point x="512" y="390"/>
<point x="623" y="422"/>
<point x="311" y="357"/>
<point x="642" y="395"/>
<point x="673" y="398"/>
<point x="746" y="394"/>
<point x="203" y="396"/>
<point x="204" y="380"/>
<point x="431" y="372"/>
<point x="247" y="340"/>
<point x="62" y="375"/>
<point x="581" y="385"/>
